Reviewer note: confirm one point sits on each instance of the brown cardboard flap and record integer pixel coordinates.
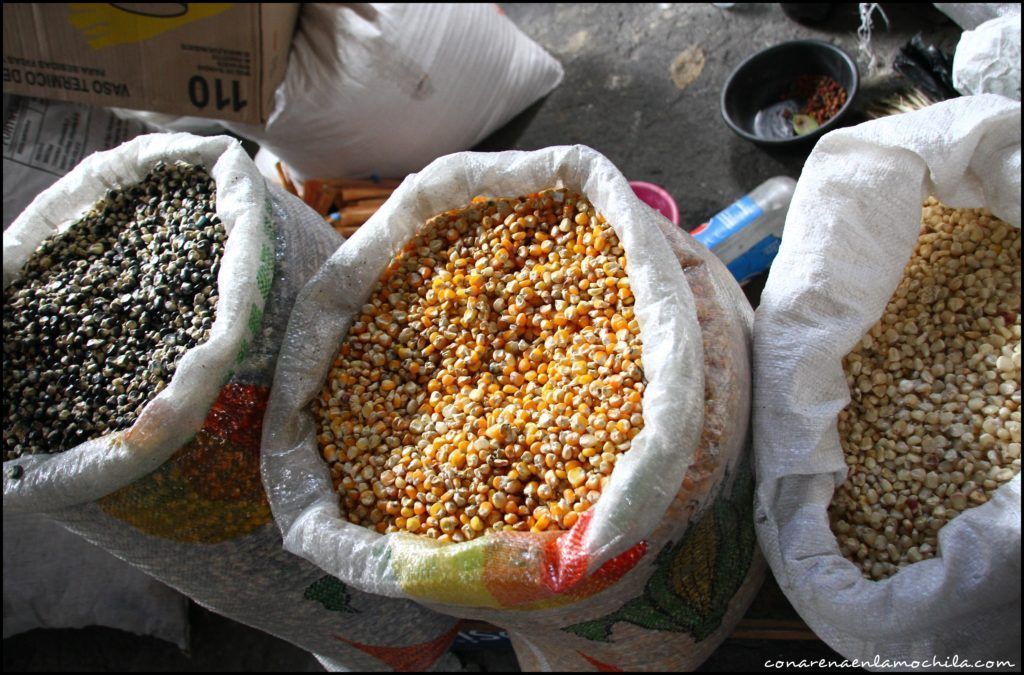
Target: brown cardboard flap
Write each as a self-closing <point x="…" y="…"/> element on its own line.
<point x="218" y="60"/>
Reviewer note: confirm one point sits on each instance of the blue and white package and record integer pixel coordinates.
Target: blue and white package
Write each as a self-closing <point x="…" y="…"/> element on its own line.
<point x="746" y="235"/>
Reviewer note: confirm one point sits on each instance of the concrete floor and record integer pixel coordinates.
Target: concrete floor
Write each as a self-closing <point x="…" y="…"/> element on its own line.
<point x="618" y="97"/>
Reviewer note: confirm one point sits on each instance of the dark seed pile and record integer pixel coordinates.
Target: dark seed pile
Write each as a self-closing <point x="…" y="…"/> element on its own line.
<point x="95" y="326"/>
<point x="823" y="97"/>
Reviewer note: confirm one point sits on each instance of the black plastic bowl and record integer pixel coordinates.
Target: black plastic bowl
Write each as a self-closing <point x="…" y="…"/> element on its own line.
<point x="764" y="79"/>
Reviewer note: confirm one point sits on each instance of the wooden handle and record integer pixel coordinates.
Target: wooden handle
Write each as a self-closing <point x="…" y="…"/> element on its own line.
<point x="384" y="183"/>
<point x="311" y="190"/>
<point x="285" y="180"/>
<point x="350" y="218"/>
<point x="324" y="199"/>
<point x="356" y="194"/>
<point x="374" y="204"/>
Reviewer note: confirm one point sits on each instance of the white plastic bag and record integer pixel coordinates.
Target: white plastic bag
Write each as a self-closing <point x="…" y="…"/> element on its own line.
<point x="624" y="585"/>
<point x="851" y="229"/>
<point x="987" y="59"/>
<point x="386" y="88"/>
<point x="179" y="495"/>
<point x="970" y="15"/>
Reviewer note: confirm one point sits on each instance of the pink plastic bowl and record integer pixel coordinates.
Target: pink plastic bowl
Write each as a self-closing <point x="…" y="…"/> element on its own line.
<point x="656" y="197"/>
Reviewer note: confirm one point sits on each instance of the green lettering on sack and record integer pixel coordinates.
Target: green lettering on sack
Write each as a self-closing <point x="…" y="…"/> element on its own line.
<point x="255" y="320"/>
<point x="265" y="274"/>
<point x="243" y="351"/>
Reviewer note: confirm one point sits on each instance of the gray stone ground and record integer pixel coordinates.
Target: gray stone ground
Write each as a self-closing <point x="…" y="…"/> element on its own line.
<point x="620" y="98"/>
<point x="618" y="95"/>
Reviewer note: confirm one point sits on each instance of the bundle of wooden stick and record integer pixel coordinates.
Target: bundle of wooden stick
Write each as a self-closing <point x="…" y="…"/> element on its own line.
<point x="345" y="204"/>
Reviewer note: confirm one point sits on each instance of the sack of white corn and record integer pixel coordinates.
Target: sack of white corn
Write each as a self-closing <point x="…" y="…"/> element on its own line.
<point x="887" y="388"/>
<point x="384" y="88"/>
<point x="145" y="297"/>
<point x="518" y="394"/>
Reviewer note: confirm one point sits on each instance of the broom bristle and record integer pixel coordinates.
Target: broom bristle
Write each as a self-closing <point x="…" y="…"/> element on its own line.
<point x="900" y="102"/>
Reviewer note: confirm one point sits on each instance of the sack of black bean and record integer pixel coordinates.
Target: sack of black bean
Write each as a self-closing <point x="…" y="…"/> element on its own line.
<point x="112" y="284"/>
<point x="146" y="294"/>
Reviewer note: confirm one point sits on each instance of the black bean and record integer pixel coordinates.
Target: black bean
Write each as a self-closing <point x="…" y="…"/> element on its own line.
<point x="95" y="325"/>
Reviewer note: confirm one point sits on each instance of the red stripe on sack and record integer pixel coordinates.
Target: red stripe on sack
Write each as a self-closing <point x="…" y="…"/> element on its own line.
<point x="601" y="666"/>
<point x="411" y="659"/>
<point x="237" y="415"/>
<point x="566" y="563"/>
<point x="616" y="568"/>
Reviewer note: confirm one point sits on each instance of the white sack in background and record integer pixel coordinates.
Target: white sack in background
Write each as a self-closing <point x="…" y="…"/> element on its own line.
<point x="987" y="59"/>
<point x="970" y="15"/>
<point x="384" y="89"/>
<point x="200" y="126"/>
<point x="54" y="579"/>
<point x="43" y="140"/>
<point x="681" y="493"/>
<point x="851" y="228"/>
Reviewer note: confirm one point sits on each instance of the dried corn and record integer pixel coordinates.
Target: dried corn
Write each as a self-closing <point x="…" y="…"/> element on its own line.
<point x="494" y="377"/>
<point x="933" y="426"/>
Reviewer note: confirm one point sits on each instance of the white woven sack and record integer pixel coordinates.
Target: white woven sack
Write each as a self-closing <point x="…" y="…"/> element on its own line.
<point x="45" y="584"/>
<point x="987" y="59"/>
<point x="851" y="228"/>
<point x="384" y="88"/>
<point x="622" y="587"/>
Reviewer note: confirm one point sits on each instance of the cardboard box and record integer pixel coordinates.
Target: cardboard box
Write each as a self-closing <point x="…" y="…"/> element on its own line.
<point x="219" y="60"/>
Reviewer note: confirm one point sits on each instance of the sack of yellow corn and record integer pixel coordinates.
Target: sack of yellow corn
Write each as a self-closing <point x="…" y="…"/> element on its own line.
<point x="520" y="395"/>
